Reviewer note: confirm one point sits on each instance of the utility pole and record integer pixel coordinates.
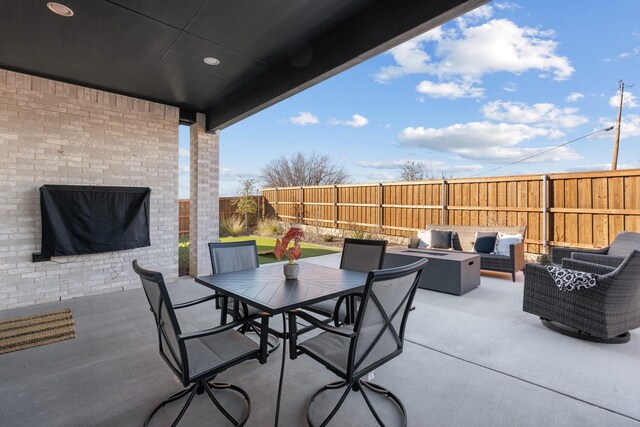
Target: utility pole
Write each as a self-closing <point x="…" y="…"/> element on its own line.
<point x="616" y="144"/>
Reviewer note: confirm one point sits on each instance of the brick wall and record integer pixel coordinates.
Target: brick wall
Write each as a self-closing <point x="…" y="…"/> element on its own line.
<point x="57" y="133"/>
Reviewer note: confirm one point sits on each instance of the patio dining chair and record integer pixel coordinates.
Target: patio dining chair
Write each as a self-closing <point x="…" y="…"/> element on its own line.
<point x="237" y="256"/>
<point x="353" y="351"/>
<point x="196" y="358"/>
<point x="361" y="255"/>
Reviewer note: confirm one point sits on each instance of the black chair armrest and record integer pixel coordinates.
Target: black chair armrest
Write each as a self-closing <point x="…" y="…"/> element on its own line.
<point x="608" y="260"/>
<point x="558" y="253"/>
<point x="196" y="301"/>
<point x="318" y="323"/>
<point x="221" y="328"/>
<point x="587" y="267"/>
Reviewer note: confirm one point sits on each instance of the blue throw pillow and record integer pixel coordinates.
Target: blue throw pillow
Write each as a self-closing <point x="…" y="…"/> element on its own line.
<point x="485" y="242"/>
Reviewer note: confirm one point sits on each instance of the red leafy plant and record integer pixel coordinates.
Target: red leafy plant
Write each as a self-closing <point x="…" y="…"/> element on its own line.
<point x="289" y="245"/>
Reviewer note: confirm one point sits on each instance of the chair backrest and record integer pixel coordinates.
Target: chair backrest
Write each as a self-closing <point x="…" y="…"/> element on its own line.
<point x="628" y="272"/>
<point x="168" y="328"/>
<point x="624" y="243"/>
<point x="233" y="256"/>
<point x="381" y="319"/>
<point x="362" y="255"/>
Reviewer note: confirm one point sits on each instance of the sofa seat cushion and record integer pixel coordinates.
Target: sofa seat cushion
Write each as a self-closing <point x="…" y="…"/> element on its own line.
<point x="495" y="262"/>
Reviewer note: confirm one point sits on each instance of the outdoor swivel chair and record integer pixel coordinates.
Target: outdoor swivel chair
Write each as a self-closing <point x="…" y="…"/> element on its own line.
<point x="611" y="255"/>
<point x="603" y="313"/>
<point x="353" y="351"/>
<point x="361" y="255"/>
<point x="196" y="358"/>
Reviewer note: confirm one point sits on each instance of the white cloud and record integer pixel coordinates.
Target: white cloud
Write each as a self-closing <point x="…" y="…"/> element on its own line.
<point x="357" y="121"/>
<point x="500" y="45"/>
<point x="468" y="53"/>
<point x="184" y="169"/>
<point x="574" y="96"/>
<point x="629" y="100"/>
<point x="630" y="126"/>
<point x="505" y="5"/>
<point x="449" y="90"/>
<point x="478" y="14"/>
<point x="183" y="153"/>
<point x="438" y="167"/>
<point x="485" y="141"/>
<point x="380" y="176"/>
<point x="510" y="87"/>
<point x="304" y="118"/>
<point x="542" y="113"/>
<point x="410" y="57"/>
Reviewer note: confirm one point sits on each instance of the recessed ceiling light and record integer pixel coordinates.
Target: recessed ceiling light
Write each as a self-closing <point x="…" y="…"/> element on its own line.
<point x="60" y="9"/>
<point x="211" y="61"/>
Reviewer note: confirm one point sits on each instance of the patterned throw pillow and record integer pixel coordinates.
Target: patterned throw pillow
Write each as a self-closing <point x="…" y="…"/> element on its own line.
<point x="571" y="280"/>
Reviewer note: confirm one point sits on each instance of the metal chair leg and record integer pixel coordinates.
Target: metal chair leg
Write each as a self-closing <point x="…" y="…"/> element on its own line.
<point x="331" y="386"/>
<point x="206" y="387"/>
<point x="359" y="386"/>
<point x="219" y="386"/>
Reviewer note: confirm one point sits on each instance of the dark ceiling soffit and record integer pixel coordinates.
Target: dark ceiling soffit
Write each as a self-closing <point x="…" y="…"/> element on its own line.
<point x="187" y="117"/>
<point x="383" y="27"/>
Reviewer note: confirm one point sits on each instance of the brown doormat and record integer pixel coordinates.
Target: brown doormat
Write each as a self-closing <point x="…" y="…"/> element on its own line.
<point x="34" y="331"/>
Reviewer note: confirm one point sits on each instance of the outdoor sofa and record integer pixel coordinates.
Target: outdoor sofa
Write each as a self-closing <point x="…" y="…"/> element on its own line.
<point x="464" y="240"/>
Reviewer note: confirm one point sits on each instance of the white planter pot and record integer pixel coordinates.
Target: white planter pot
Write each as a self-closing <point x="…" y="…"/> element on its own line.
<point x="291" y="271"/>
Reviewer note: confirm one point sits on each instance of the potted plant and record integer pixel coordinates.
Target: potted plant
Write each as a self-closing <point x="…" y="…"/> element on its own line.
<point x="290" y="246"/>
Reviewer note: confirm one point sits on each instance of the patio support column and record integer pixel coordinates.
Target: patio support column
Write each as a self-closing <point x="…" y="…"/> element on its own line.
<point x="205" y="191"/>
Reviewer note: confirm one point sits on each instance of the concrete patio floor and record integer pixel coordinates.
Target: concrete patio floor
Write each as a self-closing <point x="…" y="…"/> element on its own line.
<point x="473" y="360"/>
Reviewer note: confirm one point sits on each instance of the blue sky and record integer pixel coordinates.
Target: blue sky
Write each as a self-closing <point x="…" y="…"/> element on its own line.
<point x="505" y="81"/>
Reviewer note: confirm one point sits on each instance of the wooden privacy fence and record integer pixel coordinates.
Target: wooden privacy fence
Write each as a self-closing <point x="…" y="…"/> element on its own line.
<point x="573" y="209"/>
<point x="227" y="208"/>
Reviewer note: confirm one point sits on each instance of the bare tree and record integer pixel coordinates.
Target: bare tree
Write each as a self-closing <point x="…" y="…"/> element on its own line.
<point x="417" y="171"/>
<point x="303" y="169"/>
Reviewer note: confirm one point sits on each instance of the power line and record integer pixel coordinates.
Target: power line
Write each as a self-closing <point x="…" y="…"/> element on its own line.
<point x="545" y="151"/>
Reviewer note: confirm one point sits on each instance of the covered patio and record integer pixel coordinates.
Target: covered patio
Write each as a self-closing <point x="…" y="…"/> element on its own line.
<point x="475" y="359"/>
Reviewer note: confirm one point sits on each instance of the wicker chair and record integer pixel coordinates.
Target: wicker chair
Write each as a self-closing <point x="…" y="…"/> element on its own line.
<point x="612" y="255"/>
<point x="604" y="313"/>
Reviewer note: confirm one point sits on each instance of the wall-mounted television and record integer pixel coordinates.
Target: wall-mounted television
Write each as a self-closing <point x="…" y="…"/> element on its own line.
<point x="81" y="219"/>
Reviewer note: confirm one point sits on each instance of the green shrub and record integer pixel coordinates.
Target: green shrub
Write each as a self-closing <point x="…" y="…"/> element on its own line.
<point x="327" y="238"/>
<point x="545" y="259"/>
<point x="268" y="227"/>
<point x="359" y="234"/>
<point x="232" y="226"/>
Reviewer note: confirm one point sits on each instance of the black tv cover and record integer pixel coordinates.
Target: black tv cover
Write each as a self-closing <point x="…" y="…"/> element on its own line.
<point x="79" y="219"/>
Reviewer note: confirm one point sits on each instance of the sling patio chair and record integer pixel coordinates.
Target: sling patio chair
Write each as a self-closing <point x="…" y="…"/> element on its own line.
<point x="361" y="255"/>
<point x="603" y="313"/>
<point x="196" y="358"/>
<point x="377" y="336"/>
<point x="237" y="256"/>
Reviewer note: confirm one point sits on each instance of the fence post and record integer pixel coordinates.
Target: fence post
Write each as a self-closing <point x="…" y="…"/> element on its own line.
<point x="443" y="214"/>
<point x="301" y="198"/>
<point x="275" y="204"/>
<point x="380" y="199"/>
<point x="545" y="210"/>
<point x="335" y="207"/>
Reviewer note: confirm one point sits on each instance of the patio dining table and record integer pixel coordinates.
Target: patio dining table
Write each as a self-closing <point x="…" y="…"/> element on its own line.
<point x="266" y="289"/>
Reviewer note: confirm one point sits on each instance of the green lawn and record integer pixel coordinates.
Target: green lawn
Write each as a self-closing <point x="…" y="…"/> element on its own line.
<point x="265" y="244"/>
